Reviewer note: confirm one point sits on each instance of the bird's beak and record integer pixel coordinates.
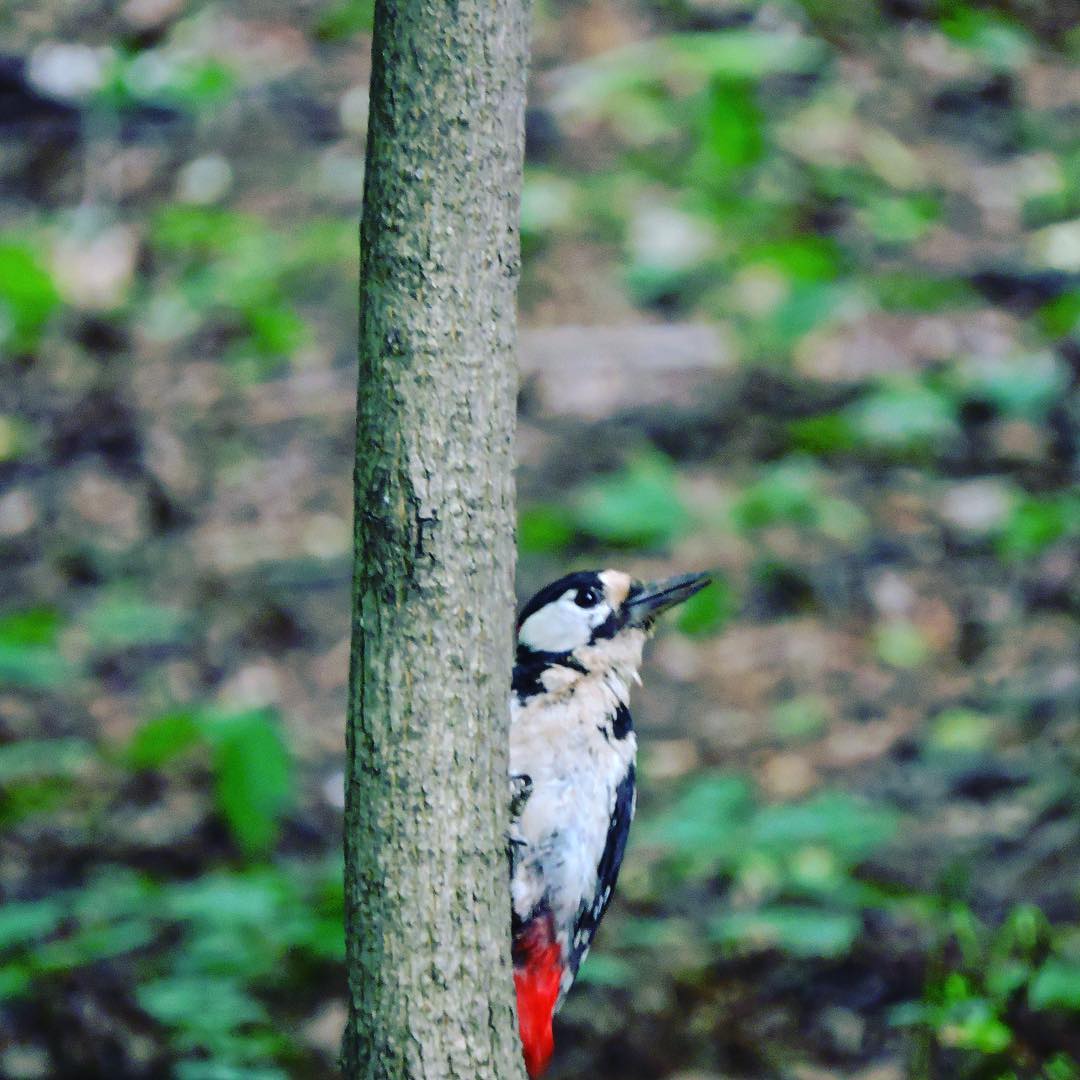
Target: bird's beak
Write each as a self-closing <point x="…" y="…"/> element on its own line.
<point x="645" y="604"/>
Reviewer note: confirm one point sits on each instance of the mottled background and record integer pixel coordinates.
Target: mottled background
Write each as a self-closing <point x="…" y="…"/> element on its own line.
<point x="801" y="301"/>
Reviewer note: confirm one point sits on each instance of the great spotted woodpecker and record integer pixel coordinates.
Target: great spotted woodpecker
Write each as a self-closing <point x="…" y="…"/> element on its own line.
<point x="572" y="751"/>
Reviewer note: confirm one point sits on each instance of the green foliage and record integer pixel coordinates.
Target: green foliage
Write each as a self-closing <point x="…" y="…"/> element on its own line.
<point x="544" y="527"/>
<point x="901" y="219"/>
<point x="608" y="84"/>
<point x="901" y="291"/>
<point x="997" y="38"/>
<point x="979" y="975"/>
<point x="237" y="935"/>
<point x="731" y="136"/>
<point x="1035" y="523"/>
<point x="253" y="773"/>
<point x="787" y="493"/>
<point x="1020" y="386"/>
<point x="797" y="931"/>
<point x="253" y="776"/>
<point x="1056" y="985"/>
<point x="901" y="644"/>
<point x="903" y="417"/>
<point x="961" y="731"/>
<point x="27" y="297"/>
<point x="16" y="438"/>
<point x="23" y="924"/>
<point x="701" y="172"/>
<point x="168" y="77"/>
<point x="708" y="611"/>
<point x="823" y="434"/>
<point x="798" y="718"/>
<point x="32" y="759"/>
<point x="789" y="869"/>
<point x="345" y="19"/>
<point x="31" y="627"/>
<point x="164" y="738"/>
<point x="1061" y="317"/>
<point x="791" y="492"/>
<point x="637" y="507"/>
<point x="235" y="270"/>
<point x="121" y="620"/>
<point x="28" y="649"/>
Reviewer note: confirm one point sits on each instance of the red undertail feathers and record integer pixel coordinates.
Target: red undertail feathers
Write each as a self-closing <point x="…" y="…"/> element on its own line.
<point x="537" y="974"/>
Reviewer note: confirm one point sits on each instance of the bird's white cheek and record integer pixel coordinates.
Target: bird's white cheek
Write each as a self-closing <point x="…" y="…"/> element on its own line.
<point x="553" y="629"/>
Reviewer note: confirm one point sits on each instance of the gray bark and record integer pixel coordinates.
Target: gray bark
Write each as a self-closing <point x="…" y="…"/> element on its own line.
<point x="427" y="899"/>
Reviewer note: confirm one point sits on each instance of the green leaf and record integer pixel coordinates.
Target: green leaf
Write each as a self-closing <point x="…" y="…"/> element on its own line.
<point x="163" y="738"/>
<point x="639" y="507"/>
<point x="33" y="759"/>
<point x="788" y="492"/>
<point x="17" y="437"/>
<point x="32" y="666"/>
<point x="222" y="1070"/>
<point x="276" y="330"/>
<point x="803" y="932"/>
<point x="194" y="84"/>
<point x="1035" y="524"/>
<point x="1061" y="316"/>
<point x="200" y="230"/>
<point x="799" y="258"/>
<point x="701" y="832"/>
<point x="27" y="799"/>
<point x="803" y="717"/>
<point x="905" y="291"/>
<point x="732" y="135"/>
<point x="544" y="528"/>
<point x="901" y="644"/>
<point x="595" y="86"/>
<point x="1061" y="1066"/>
<point x="901" y="219"/>
<point x="27" y="297"/>
<point x="200" y="1003"/>
<point x="1000" y="41"/>
<point x="848" y="828"/>
<point x="824" y="434"/>
<point x="708" y="611"/>
<point x="230" y="899"/>
<point x="14" y="981"/>
<point x="1023" y="386"/>
<point x="902" y="416"/>
<point x="117" y="622"/>
<point x="973" y="1024"/>
<point x="962" y="730"/>
<point x="345" y="19"/>
<point x="1056" y="986"/>
<point x="113" y="893"/>
<point x="603" y="969"/>
<point x="27" y="923"/>
<point x="252" y="775"/>
<point x="91" y="944"/>
<point x="809" y="304"/>
<point x="33" y="627"/>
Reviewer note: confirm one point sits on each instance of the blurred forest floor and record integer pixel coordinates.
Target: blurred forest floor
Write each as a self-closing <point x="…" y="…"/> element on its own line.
<point x="801" y="299"/>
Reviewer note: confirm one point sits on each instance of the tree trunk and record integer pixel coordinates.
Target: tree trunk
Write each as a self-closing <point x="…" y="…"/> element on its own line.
<point x="427" y="896"/>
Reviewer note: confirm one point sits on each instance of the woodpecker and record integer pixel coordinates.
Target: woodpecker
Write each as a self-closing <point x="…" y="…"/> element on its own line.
<point x="572" y="755"/>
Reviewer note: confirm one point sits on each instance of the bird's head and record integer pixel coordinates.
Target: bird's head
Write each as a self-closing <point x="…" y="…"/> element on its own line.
<point x="596" y="615"/>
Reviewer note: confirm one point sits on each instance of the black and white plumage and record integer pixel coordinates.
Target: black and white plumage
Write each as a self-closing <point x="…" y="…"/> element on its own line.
<point x="572" y="755"/>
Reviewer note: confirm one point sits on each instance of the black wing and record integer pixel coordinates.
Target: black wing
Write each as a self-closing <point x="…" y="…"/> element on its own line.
<point x="607" y="872"/>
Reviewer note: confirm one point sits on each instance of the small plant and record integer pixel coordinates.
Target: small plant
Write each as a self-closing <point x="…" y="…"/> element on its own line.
<point x="252" y="770"/>
<point x="982" y="987"/>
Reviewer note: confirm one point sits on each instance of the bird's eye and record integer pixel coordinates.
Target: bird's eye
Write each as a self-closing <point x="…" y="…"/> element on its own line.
<point x="587" y="597"/>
